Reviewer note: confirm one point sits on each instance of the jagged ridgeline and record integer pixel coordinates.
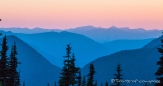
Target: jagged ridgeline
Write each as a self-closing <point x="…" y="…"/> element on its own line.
<point x="9" y="75"/>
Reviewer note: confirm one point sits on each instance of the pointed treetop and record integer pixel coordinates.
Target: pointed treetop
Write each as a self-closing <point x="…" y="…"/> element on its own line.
<point x="68" y="49"/>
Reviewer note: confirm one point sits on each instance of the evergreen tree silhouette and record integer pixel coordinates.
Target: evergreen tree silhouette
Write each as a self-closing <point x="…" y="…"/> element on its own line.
<point x="75" y="71"/>
<point x="159" y="72"/>
<point x="69" y="71"/>
<point x="65" y="78"/>
<point x="8" y="66"/>
<point x="4" y="63"/>
<point x="90" y="81"/>
<point x="13" y="64"/>
<point x="118" y="76"/>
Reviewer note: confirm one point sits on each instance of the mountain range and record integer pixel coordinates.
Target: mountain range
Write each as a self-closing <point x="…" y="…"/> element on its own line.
<point x="114" y="33"/>
<point x="35" y="70"/>
<point x="52" y="46"/>
<point x="40" y="52"/>
<point x="28" y="31"/>
<point x="98" y="34"/>
<point x="137" y="64"/>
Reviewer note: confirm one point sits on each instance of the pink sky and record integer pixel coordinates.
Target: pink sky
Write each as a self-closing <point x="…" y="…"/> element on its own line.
<point x="64" y="14"/>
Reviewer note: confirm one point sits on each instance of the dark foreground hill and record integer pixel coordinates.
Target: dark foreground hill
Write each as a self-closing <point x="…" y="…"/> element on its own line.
<point x="35" y="69"/>
<point x="136" y="64"/>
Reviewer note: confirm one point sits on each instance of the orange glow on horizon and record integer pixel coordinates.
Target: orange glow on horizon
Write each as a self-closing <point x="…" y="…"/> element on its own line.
<point x="66" y="14"/>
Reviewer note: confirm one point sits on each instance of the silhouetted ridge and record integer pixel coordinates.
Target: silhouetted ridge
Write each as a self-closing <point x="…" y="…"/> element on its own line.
<point x="34" y="66"/>
<point x="137" y="64"/>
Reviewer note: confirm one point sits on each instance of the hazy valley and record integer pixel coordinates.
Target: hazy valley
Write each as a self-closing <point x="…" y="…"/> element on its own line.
<point x="41" y="52"/>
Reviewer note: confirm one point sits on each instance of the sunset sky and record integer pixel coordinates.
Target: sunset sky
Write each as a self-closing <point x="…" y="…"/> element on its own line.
<point x="64" y="14"/>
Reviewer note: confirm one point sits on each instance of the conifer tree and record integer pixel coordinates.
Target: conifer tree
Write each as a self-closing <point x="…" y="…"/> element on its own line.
<point x="74" y="71"/>
<point x="69" y="71"/>
<point x="159" y="72"/>
<point x="118" y="76"/>
<point x="4" y="63"/>
<point x="65" y="78"/>
<point x="90" y="81"/>
<point x="13" y="64"/>
<point x="8" y="73"/>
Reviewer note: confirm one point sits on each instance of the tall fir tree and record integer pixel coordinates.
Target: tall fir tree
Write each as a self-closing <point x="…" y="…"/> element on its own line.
<point x="118" y="76"/>
<point x="69" y="71"/>
<point x="8" y="66"/>
<point x="4" y="63"/>
<point x="13" y="64"/>
<point x="74" y="71"/>
<point x="90" y="81"/>
<point x="65" y="74"/>
<point x="159" y="72"/>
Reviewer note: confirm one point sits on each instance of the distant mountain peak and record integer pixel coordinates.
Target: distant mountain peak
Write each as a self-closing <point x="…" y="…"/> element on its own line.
<point x="126" y="28"/>
<point x="140" y="28"/>
<point x="113" y="27"/>
<point x="89" y="26"/>
<point x="86" y="27"/>
<point x="83" y="28"/>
